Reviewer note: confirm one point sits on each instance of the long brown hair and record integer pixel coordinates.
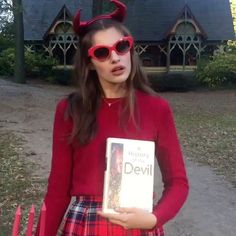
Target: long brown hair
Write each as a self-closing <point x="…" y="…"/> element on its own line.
<point x="84" y="104"/>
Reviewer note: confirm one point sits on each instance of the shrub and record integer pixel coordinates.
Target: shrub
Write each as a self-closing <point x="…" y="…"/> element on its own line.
<point x="36" y="64"/>
<point x="7" y="62"/>
<point x="218" y="70"/>
<point x="5" y="43"/>
<point x="61" y="75"/>
<point x="183" y="81"/>
<point x="231" y="46"/>
<point x="6" y="36"/>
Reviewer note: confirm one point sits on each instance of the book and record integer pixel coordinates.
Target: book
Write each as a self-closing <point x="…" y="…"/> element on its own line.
<point x="129" y="174"/>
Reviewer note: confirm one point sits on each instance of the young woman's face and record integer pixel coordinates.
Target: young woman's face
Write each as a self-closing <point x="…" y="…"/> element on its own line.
<point x="115" y="69"/>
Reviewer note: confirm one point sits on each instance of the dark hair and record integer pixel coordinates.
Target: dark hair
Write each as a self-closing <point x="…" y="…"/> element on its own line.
<point x="84" y="104"/>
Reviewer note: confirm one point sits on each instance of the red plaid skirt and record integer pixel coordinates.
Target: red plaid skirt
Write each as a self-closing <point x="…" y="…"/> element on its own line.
<point x="82" y="220"/>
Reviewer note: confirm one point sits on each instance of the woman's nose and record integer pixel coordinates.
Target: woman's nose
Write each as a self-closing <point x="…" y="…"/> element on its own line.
<point x="114" y="57"/>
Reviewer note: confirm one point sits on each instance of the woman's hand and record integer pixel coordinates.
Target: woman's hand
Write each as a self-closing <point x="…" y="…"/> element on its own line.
<point x="131" y="218"/>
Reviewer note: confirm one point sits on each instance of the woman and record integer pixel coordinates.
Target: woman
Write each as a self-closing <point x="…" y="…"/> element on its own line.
<point x="113" y="100"/>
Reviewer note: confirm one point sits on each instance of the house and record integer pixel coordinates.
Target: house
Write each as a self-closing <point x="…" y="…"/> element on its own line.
<point x="169" y="34"/>
<point x="233" y="10"/>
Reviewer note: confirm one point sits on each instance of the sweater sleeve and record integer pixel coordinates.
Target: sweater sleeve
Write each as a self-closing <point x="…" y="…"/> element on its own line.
<point x="58" y="196"/>
<point x="172" y="168"/>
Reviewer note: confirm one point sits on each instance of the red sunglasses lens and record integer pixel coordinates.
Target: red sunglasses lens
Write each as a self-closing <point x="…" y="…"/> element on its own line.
<point x="101" y="53"/>
<point x="123" y="46"/>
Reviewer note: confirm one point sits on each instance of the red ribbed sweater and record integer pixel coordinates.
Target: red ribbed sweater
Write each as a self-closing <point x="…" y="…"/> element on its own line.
<point x="80" y="171"/>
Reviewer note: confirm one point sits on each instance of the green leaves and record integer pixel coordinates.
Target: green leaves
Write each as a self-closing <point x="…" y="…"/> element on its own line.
<point x="219" y="69"/>
<point x="36" y="64"/>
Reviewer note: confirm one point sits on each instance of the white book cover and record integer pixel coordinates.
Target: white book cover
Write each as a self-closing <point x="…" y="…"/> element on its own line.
<point x="129" y="174"/>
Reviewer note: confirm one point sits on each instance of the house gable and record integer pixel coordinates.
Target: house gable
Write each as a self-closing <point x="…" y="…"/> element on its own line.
<point x="150" y="20"/>
<point x="39" y="15"/>
<point x="186" y="23"/>
<point x="62" y="22"/>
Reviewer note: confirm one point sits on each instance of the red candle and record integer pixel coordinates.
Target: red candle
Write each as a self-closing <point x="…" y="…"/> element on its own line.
<point x="30" y="221"/>
<point x="15" y="230"/>
<point x="42" y="220"/>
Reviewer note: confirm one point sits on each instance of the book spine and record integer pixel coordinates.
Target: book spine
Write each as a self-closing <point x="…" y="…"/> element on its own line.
<point x="106" y="178"/>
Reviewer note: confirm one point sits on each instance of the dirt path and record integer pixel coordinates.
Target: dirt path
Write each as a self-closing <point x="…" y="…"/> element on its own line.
<point x="28" y="110"/>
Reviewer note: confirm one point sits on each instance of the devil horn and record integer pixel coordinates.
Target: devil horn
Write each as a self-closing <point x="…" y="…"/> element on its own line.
<point x="76" y="22"/>
<point x="120" y="12"/>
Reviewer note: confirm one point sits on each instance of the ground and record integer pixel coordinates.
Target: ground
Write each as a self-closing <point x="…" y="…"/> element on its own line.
<point x="210" y="210"/>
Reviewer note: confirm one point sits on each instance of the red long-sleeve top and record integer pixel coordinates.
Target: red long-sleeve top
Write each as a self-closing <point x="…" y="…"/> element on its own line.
<point x="79" y="170"/>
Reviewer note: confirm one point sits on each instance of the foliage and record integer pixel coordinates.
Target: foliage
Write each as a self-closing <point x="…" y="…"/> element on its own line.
<point x="5" y="43"/>
<point x="161" y="82"/>
<point x="218" y="70"/>
<point x="7" y="61"/>
<point x="231" y="46"/>
<point x="36" y="64"/>
<point x="7" y="36"/>
<point x="5" y="13"/>
<point x="61" y="75"/>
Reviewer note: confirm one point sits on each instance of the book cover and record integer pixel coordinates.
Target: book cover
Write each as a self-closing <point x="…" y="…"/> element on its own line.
<point x="129" y="174"/>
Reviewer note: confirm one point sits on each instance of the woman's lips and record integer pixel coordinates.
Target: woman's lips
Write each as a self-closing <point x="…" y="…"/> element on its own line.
<point x="118" y="70"/>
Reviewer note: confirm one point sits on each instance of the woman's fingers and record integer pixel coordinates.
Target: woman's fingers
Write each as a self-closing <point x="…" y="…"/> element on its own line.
<point x="131" y="218"/>
<point x="118" y="217"/>
<point x="126" y="210"/>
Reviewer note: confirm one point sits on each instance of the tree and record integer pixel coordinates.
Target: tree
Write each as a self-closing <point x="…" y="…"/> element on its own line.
<point x="11" y="12"/>
<point x="5" y="12"/>
<point x="19" y="41"/>
<point x="7" y="36"/>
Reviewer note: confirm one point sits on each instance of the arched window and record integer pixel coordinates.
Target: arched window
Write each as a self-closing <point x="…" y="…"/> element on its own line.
<point x="185" y="40"/>
<point x="185" y="28"/>
<point x="61" y="41"/>
<point x="63" y="28"/>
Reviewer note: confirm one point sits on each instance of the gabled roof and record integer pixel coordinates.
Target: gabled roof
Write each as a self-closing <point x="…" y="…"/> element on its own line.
<point x="186" y="14"/>
<point x="40" y="14"/>
<point x="60" y="16"/>
<point x="148" y="20"/>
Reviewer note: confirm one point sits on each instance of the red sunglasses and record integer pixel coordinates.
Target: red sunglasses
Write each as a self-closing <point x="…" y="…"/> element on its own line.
<point x="102" y="52"/>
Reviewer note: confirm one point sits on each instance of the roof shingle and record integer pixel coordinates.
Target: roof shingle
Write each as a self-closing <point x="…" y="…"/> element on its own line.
<point x="148" y="20"/>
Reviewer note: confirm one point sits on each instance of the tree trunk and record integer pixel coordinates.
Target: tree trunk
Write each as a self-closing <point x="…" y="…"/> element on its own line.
<point x="19" y="42"/>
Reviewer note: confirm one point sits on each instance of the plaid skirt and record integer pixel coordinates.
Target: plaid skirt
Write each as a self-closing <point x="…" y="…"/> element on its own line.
<point x="82" y="220"/>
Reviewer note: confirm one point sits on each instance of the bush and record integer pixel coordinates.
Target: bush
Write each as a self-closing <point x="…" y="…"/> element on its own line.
<point x="7" y="36"/>
<point x="36" y="64"/>
<point x="231" y="46"/>
<point x="7" y="62"/>
<point x="61" y="75"/>
<point x="5" y="43"/>
<point x="217" y="70"/>
<point x="172" y="81"/>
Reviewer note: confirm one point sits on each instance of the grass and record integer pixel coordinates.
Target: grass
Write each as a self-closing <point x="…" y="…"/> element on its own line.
<point x="17" y="185"/>
<point x="206" y="123"/>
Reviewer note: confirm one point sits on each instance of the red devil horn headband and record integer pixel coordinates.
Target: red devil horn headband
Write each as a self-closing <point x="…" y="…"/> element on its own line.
<point x="118" y="15"/>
